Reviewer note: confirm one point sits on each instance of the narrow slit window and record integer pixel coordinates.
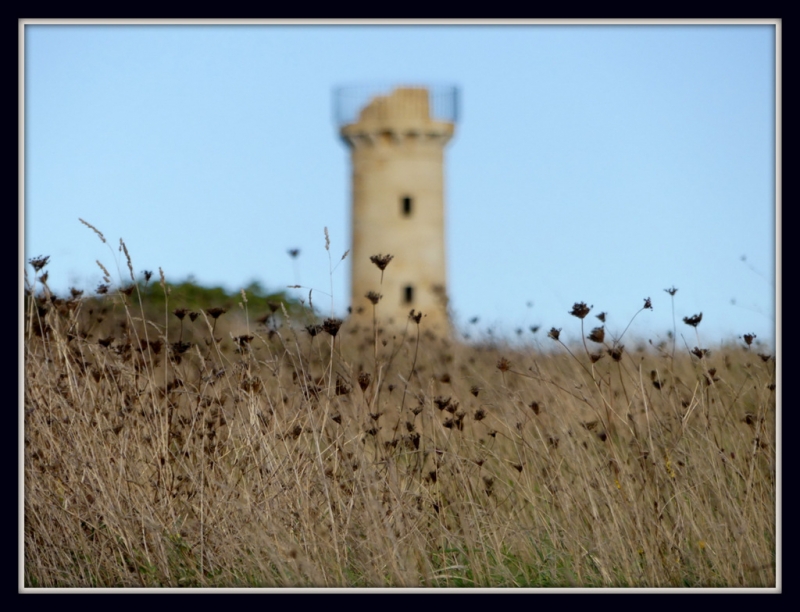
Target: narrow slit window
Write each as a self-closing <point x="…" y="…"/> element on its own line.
<point x="408" y="294"/>
<point x="406" y="206"/>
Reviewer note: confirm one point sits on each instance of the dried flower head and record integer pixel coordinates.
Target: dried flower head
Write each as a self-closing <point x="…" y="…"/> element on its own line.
<point x="180" y="347"/>
<point x="595" y="357"/>
<point x="700" y="353"/>
<point x="441" y="402"/>
<point x="580" y="310"/>
<point x="475" y="389"/>
<point x="243" y="340"/>
<point x="381" y="261"/>
<point x="148" y="274"/>
<point x="374" y="297"/>
<point x="648" y="303"/>
<point x="535" y="328"/>
<point x="39" y="262"/>
<point x="293" y="253"/>
<point x="598" y="335"/>
<point x="748" y="339"/>
<point x="102" y="289"/>
<point x="602" y="317"/>
<point x="313" y="330"/>
<point x="554" y="333"/>
<point x="480" y="414"/>
<point x="332" y="326"/>
<point x="694" y="320"/>
<point x="216" y="312"/>
<point x="342" y="388"/>
<point x="535" y="407"/>
<point x="671" y="290"/>
<point x="193" y="315"/>
<point x="503" y="364"/>
<point x="180" y="313"/>
<point x="364" y="379"/>
<point x="415" y="316"/>
<point x="616" y="352"/>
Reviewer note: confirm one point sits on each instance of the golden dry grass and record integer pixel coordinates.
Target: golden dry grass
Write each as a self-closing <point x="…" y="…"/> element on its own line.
<point x="281" y="456"/>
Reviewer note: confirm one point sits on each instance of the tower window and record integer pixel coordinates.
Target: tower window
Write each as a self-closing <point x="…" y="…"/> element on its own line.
<point x="406" y="202"/>
<point x="408" y="294"/>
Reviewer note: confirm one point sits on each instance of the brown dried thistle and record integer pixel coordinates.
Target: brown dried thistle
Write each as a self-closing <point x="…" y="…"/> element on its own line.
<point x="616" y="352"/>
<point x="700" y="353"/>
<point x="648" y="303"/>
<point x="475" y="389"/>
<point x="180" y="313"/>
<point x="480" y="414"/>
<point x="554" y="333"/>
<point x="415" y="316"/>
<point x="374" y="297"/>
<point x="748" y="339"/>
<point x="671" y="290"/>
<point x="602" y="317"/>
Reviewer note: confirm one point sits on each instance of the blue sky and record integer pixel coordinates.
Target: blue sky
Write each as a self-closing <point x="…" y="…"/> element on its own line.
<point x="591" y="163"/>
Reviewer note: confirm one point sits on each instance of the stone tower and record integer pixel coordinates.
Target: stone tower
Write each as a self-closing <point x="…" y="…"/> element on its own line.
<point x="397" y="136"/>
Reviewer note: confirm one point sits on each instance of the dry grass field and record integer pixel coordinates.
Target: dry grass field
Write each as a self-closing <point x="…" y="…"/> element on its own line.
<point x="212" y="448"/>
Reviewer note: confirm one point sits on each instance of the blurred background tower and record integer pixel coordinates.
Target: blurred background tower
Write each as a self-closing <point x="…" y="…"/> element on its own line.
<point x="397" y="135"/>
